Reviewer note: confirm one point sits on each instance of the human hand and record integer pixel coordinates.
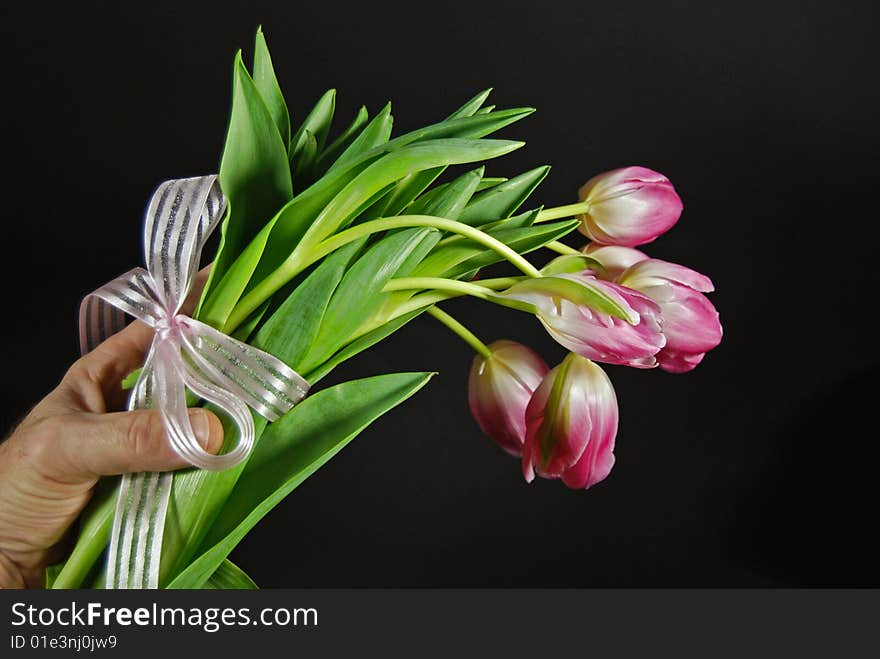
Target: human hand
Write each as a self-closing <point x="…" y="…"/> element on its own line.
<point x="52" y="461"/>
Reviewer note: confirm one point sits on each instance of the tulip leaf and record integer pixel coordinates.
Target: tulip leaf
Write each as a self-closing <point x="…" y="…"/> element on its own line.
<point x="93" y="535"/>
<point x="254" y="172"/>
<point x="317" y="122"/>
<point x="228" y="576"/>
<point x="287" y="226"/>
<point x="490" y="182"/>
<point x="394" y="166"/>
<point x="456" y="257"/>
<point x="303" y="160"/>
<point x="578" y="292"/>
<point x="461" y="127"/>
<point x="450" y="199"/>
<point x="342" y="142"/>
<point x="503" y="200"/>
<point x="296" y="446"/>
<point x="290" y="331"/>
<point x="374" y="135"/>
<point x="216" y="308"/>
<point x="243" y="331"/>
<point x="472" y="105"/>
<point x="571" y="263"/>
<point x="197" y="496"/>
<point x="359" y="293"/>
<point x="267" y="85"/>
<point x="408" y="188"/>
<point x="360" y="344"/>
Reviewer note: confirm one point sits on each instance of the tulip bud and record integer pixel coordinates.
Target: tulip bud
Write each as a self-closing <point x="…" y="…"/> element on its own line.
<point x="629" y="206"/>
<point x="571" y="424"/>
<point x="690" y="320"/>
<point x="499" y="389"/>
<point x="575" y="308"/>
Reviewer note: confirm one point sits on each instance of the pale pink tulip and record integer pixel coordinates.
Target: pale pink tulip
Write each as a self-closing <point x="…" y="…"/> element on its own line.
<point x="613" y="258"/>
<point x="629" y="206"/>
<point x="690" y="321"/>
<point x="499" y="389"/>
<point x="581" y="327"/>
<point x="571" y="424"/>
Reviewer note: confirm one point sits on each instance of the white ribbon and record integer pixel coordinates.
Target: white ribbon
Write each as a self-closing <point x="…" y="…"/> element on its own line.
<point x="185" y="353"/>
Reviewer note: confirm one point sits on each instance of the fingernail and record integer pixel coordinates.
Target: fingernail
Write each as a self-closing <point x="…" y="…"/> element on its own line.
<point x="201" y="426"/>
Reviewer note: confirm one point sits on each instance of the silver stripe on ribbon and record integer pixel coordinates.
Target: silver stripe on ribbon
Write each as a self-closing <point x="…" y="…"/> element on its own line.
<point x="185" y="353"/>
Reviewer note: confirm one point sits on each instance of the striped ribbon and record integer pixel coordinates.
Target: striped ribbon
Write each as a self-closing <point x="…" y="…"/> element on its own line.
<point x="185" y="353"/>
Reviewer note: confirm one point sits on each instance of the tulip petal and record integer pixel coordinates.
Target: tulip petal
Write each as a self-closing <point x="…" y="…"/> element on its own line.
<point x="614" y="258"/>
<point x="571" y="425"/>
<point x="676" y="362"/>
<point x="690" y="320"/>
<point x="652" y="272"/>
<point x="629" y="206"/>
<point x="499" y="389"/>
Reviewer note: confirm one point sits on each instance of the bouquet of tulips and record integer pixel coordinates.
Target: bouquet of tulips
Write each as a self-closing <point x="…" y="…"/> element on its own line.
<point x="331" y="245"/>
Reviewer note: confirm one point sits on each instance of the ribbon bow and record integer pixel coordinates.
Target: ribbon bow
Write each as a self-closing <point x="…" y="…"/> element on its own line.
<point x="185" y="353"/>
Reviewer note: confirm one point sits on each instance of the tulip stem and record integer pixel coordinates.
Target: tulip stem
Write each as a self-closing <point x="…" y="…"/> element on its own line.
<point x="457" y="288"/>
<point x="562" y="248"/>
<point x="293" y="266"/>
<point x="562" y="211"/>
<point x="463" y="332"/>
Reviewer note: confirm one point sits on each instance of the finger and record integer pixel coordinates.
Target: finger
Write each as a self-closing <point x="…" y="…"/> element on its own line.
<point x="87" y="446"/>
<point x="118" y="355"/>
<point x="96" y="377"/>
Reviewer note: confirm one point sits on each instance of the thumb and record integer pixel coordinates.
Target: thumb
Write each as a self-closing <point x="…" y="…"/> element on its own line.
<point x="93" y="445"/>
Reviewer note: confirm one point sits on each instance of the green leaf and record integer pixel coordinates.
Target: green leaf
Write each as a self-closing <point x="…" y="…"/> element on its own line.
<point x="376" y="134"/>
<point x="317" y="122"/>
<point x="215" y="309"/>
<point x="359" y="293"/>
<point x="254" y="172"/>
<point x="458" y="256"/>
<point x="462" y="127"/>
<point x="408" y="189"/>
<point x="94" y="534"/>
<point x="523" y="240"/>
<point x="366" y="340"/>
<point x="51" y="572"/>
<point x="296" y="446"/>
<point x="342" y="142"/>
<point x="472" y="105"/>
<point x="578" y="292"/>
<point x="450" y="199"/>
<point x="290" y="331"/>
<point x="228" y="576"/>
<point x="267" y="85"/>
<point x="285" y="229"/>
<point x="394" y="166"/>
<point x="490" y="182"/>
<point x="247" y="328"/>
<point x="303" y="160"/>
<point x="197" y="496"/>
<point x="570" y="263"/>
<point x="503" y="200"/>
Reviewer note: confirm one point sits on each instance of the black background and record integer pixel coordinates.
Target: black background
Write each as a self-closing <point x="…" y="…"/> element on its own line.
<point x="757" y="469"/>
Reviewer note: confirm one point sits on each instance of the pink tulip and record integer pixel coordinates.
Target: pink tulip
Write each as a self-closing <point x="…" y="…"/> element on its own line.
<point x="590" y="332"/>
<point x="613" y="258"/>
<point x="629" y="206"/>
<point x="571" y="423"/>
<point x="499" y="389"/>
<point x="690" y="321"/>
